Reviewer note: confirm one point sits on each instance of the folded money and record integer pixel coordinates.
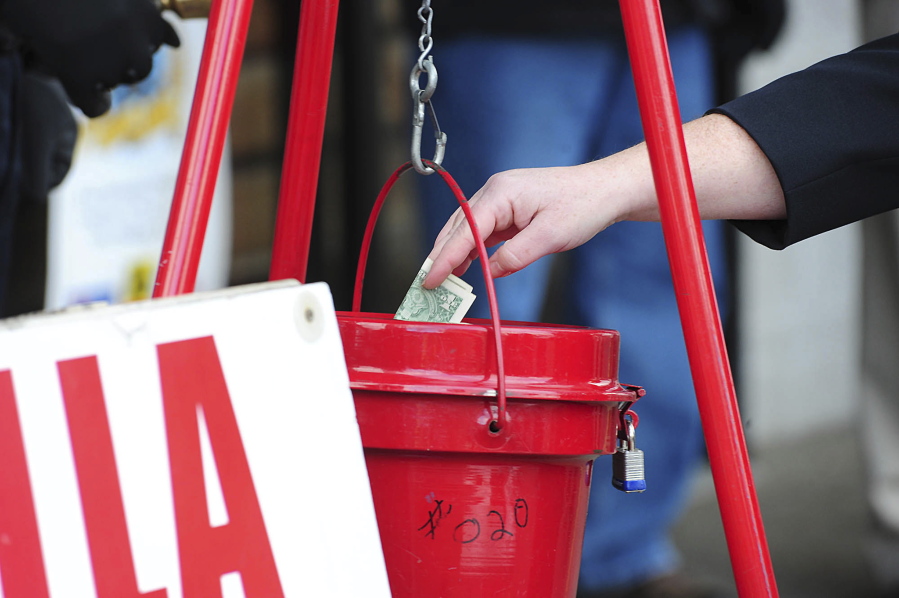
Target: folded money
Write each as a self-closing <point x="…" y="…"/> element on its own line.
<point x="447" y="303"/>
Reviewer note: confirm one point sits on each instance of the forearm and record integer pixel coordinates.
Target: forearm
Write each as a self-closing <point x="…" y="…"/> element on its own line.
<point x="813" y="151"/>
<point x="731" y="176"/>
<point x="547" y="210"/>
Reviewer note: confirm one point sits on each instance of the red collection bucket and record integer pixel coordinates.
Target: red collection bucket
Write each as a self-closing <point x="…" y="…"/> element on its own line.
<point x="464" y="511"/>
<point x="473" y="496"/>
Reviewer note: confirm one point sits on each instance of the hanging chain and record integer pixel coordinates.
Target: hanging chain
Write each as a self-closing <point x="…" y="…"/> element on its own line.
<point x="421" y="98"/>
<point x="425" y="41"/>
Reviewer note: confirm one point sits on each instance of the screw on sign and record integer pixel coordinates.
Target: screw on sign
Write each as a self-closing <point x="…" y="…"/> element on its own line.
<point x="472" y="529"/>
<point x="192" y="380"/>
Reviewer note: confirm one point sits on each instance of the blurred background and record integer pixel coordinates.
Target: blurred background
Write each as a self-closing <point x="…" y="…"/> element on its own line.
<point x="794" y="339"/>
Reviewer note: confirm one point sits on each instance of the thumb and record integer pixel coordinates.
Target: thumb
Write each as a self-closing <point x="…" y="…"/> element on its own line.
<point x="520" y="251"/>
<point x="169" y="35"/>
<point x="92" y="102"/>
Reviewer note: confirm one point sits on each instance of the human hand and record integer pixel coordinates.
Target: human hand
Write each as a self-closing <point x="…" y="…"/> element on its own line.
<point x="91" y="46"/>
<point x="540" y="211"/>
<point x="543" y="210"/>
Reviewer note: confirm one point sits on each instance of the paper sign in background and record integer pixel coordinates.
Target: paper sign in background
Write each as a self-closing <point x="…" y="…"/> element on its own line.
<point x="108" y="218"/>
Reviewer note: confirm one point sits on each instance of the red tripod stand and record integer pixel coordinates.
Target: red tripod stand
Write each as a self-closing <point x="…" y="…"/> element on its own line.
<point x="712" y="377"/>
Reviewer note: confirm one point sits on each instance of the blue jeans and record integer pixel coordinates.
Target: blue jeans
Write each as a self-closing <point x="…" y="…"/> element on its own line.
<point x="517" y="103"/>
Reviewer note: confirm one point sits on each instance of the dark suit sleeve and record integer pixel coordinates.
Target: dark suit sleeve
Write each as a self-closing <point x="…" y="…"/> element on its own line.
<point x="832" y="134"/>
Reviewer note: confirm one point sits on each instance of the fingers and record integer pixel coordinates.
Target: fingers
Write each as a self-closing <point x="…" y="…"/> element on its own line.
<point x="158" y="30"/>
<point x="522" y="250"/>
<point x="127" y="61"/>
<point x="169" y="35"/>
<point x="534" y="211"/>
<point x="447" y="229"/>
<point x="139" y="69"/>
<point x="92" y="100"/>
<point x="453" y="252"/>
<point x="455" y="247"/>
<point x="142" y="61"/>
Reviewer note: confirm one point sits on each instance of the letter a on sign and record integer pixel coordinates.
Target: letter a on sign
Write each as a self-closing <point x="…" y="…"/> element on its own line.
<point x="192" y="377"/>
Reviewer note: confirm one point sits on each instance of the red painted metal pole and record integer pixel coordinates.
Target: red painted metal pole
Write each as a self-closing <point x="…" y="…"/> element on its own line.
<point x="305" y="132"/>
<point x="751" y="562"/>
<point x="226" y="36"/>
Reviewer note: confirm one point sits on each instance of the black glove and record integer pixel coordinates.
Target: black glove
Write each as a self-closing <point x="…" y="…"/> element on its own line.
<point x="48" y="135"/>
<point x="91" y="46"/>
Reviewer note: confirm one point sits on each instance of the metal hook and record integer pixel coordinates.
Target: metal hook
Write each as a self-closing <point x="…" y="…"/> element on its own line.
<point x="421" y="98"/>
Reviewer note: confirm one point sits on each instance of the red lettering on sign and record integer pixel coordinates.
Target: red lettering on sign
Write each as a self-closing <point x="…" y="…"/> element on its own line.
<point x="192" y="377"/>
<point x="98" y="480"/>
<point x="21" y="561"/>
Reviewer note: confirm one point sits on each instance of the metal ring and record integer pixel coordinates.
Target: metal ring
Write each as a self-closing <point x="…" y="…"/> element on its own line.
<point x="419" y="94"/>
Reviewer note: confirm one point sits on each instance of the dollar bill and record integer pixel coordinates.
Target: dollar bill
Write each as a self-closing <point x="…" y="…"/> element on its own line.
<point x="447" y="303"/>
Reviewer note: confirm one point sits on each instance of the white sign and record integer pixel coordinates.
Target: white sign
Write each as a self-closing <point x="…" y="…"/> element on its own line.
<point x="192" y="447"/>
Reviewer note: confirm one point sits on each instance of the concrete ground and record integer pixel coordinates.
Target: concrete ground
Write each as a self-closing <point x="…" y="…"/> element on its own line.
<point x="811" y="495"/>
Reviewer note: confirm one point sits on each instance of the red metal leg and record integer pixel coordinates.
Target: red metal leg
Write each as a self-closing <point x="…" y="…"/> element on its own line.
<point x="305" y="131"/>
<point x="226" y="35"/>
<point x="695" y="293"/>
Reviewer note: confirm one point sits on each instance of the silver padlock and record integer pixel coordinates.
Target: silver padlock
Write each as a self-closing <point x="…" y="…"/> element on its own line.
<point x="627" y="462"/>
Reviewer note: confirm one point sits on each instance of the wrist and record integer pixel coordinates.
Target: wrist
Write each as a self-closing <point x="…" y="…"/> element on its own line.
<point x="627" y="185"/>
